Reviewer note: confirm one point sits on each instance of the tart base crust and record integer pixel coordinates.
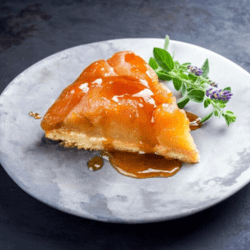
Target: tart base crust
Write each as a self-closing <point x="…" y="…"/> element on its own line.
<point x="80" y="140"/>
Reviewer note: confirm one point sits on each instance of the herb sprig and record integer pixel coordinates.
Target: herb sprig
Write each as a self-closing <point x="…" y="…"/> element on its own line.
<point x="193" y="83"/>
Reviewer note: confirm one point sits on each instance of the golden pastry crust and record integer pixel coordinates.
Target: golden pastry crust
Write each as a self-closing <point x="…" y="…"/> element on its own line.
<point x="79" y="140"/>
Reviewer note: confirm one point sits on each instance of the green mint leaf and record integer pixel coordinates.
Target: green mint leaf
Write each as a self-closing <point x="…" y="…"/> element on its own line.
<point x="163" y="75"/>
<point x="229" y="117"/>
<point x="227" y="121"/>
<point x="186" y="64"/>
<point x="192" y="77"/>
<point x="166" y="42"/>
<point x="183" y="66"/>
<point x="176" y="65"/>
<point x="206" y="117"/>
<point x="229" y="113"/>
<point x="154" y="65"/>
<point x="216" y="112"/>
<point x="227" y="88"/>
<point x="190" y="88"/>
<point x="160" y="73"/>
<point x="177" y="84"/>
<point x="182" y="75"/>
<point x="207" y="102"/>
<point x="222" y="105"/>
<point x="183" y="89"/>
<point x="196" y="95"/>
<point x="205" y="69"/>
<point x="164" y="59"/>
<point x="183" y="102"/>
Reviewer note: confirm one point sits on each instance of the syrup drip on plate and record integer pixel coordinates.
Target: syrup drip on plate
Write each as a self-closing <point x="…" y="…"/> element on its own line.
<point x="194" y="121"/>
<point x="142" y="165"/>
<point x="137" y="165"/>
<point x="95" y="163"/>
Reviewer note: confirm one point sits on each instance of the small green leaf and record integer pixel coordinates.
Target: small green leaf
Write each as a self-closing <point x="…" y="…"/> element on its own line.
<point x="229" y="117"/>
<point x="198" y="81"/>
<point x="207" y="102"/>
<point x="196" y="95"/>
<point x="189" y="88"/>
<point x="186" y="64"/>
<point x="176" y="65"/>
<point x="154" y="65"/>
<point x="205" y="69"/>
<point x="183" y="102"/>
<point x="229" y="113"/>
<point x="192" y="77"/>
<point x="166" y="42"/>
<point x="227" y="121"/>
<point x="182" y="75"/>
<point x="206" y="117"/>
<point x="183" y="89"/>
<point x="177" y="84"/>
<point x="216" y="112"/>
<point x="227" y="88"/>
<point x="222" y="105"/>
<point x="163" y="75"/>
<point x="163" y="58"/>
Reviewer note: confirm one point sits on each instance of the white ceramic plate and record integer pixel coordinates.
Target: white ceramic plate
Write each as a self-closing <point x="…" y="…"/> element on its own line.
<point x="60" y="178"/>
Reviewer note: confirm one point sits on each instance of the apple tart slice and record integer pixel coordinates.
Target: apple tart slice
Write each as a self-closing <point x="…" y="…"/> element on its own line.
<point x="118" y="104"/>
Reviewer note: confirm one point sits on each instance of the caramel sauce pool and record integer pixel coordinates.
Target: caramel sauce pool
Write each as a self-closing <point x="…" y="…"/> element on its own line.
<point x="142" y="166"/>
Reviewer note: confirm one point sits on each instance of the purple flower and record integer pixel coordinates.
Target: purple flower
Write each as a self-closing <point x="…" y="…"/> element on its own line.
<point x="213" y="84"/>
<point x="195" y="70"/>
<point x="219" y="94"/>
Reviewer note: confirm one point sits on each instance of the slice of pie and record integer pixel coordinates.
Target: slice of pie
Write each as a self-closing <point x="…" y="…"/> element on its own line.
<point x="119" y="104"/>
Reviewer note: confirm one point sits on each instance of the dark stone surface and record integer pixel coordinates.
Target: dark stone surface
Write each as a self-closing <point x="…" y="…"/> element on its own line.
<point x="31" y="31"/>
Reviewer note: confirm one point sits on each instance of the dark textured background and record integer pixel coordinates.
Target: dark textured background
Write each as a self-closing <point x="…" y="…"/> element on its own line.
<point x="31" y="31"/>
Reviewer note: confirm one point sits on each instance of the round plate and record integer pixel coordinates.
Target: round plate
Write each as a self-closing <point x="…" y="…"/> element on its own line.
<point x="60" y="177"/>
